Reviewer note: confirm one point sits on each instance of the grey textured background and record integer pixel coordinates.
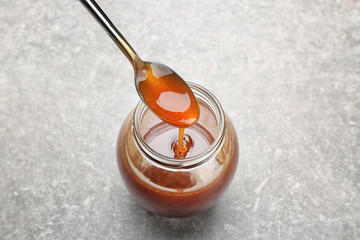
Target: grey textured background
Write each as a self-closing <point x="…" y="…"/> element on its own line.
<point x="286" y="72"/>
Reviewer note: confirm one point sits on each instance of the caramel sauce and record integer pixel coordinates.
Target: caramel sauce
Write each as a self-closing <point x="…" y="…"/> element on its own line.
<point x="170" y="98"/>
<point x="167" y="95"/>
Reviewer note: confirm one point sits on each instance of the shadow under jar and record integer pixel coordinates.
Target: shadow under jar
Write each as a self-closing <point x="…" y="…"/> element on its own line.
<point x="173" y="187"/>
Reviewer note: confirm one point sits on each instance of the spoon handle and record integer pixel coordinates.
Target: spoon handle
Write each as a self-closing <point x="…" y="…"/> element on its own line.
<point x="95" y="10"/>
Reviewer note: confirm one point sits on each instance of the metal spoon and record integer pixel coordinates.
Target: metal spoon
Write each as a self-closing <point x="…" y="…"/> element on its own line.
<point x="160" y="88"/>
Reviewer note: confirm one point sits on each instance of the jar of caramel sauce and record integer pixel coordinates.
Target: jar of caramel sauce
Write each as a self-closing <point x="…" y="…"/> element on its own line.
<point x="160" y="180"/>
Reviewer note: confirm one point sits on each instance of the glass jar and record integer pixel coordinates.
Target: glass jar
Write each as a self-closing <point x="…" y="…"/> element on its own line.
<point x="174" y="187"/>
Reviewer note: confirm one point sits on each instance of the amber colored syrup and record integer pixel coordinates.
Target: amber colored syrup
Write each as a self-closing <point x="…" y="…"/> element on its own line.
<point x="170" y="98"/>
<point x="162" y="191"/>
<point x="181" y="147"/>
<point x="163" y="138"/>
<point x="168" y="95"/>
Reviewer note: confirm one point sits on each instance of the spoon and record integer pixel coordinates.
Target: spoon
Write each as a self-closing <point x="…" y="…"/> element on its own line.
<point x="159" y="87"/>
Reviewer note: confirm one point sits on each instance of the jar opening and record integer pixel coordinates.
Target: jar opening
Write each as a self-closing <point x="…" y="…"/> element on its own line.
<point x="212" y="120"/>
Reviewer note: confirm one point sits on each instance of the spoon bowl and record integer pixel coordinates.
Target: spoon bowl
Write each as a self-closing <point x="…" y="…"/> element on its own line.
<point x="167" y="94"/>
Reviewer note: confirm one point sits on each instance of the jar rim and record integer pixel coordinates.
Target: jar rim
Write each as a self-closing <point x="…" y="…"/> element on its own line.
<point x="193" y="161"/>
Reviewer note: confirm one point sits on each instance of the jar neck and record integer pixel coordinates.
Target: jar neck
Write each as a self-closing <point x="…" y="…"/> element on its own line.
<point x="168" y="162"/>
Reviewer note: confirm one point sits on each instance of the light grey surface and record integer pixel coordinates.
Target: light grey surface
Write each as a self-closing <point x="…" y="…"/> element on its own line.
<point x="286" y="72"/>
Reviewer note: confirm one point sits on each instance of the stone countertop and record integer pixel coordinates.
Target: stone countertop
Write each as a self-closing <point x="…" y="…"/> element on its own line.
<point x="286" y="72"/>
